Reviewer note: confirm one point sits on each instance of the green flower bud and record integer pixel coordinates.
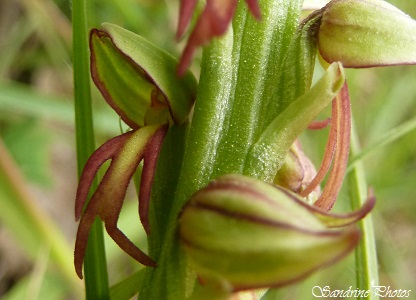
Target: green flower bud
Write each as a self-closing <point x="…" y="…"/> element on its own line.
<point x="138" y="79"/>
<point x="365" y="33"/>
<point x="241" y="233"/>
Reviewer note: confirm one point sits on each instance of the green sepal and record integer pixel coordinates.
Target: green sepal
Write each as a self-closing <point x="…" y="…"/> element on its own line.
<point x="139" y="79"/>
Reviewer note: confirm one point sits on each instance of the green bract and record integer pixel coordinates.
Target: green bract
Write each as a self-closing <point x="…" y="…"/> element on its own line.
<point x="138" y="79"/>
<point x="242" y="233"/>
<point x="365" y="33"/>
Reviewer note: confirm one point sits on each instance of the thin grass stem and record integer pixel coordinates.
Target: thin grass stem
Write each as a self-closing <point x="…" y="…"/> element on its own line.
<point x="365" y="253"/>
<point x="95" y="267"/>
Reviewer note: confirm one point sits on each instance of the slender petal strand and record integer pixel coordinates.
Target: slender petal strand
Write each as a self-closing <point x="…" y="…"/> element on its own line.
<point x="339" y="220"/>
<point x="328" y="155"/>
<point x="151" y="155"/>
<point x="343" y="124"/>
<point x="185" y="14"/>
<point x="318" y="125"/>
<point x="253" y="5"/>
<point x="214" y="21"/>
<point x="332" y="220"/>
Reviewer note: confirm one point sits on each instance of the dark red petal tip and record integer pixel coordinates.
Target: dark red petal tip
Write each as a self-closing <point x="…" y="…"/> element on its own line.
<point x="151" y="155"/>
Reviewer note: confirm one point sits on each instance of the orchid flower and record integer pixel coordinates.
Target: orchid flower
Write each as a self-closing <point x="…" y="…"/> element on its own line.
<point x="123" y="68"/>
<point x="246" y="205"/>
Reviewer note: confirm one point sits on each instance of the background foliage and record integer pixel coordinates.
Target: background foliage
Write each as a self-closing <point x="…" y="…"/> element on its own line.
<point x="38" y="163"/>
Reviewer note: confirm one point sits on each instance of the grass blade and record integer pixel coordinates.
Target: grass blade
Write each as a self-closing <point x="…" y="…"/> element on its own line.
<point x="95" y="267"/>
<point x="365" y="253"/>
<point x="391" y="136"/>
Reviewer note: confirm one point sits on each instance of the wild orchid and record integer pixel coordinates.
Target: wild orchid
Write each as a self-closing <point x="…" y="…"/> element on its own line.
<point x="241" y="206"/>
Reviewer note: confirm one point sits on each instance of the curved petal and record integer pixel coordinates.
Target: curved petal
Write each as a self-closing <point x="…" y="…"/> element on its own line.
<point x="105" y="152"/>
<point x="333" y="220"/>
<point x="328" y="155"/>
<point x="151" y="155"/>
<point x="108" y="199"/>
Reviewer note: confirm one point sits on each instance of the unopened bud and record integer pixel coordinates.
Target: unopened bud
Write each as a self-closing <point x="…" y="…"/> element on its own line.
<point x="365" y="33"/>
<point x="242" y="233"/>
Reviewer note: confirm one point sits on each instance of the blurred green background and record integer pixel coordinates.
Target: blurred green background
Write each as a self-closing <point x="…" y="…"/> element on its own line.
<point x="38" y="164"/>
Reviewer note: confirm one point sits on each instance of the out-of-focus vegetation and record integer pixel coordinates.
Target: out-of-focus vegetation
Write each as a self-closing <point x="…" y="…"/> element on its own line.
<point x="38" y="163"/>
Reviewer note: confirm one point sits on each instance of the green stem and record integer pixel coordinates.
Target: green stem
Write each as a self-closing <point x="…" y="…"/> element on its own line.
<point x="167" y="281"/>
<point x="365" y="253"/>
<point x="95" y="268"/>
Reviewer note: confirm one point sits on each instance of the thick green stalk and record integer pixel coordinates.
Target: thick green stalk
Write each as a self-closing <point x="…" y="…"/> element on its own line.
<point x="258" y="52"/>
<point x="168" y="280"/>
<point x="365" y="253"/>
<point x="95" y="268"/>
<point x="233" y="89"/>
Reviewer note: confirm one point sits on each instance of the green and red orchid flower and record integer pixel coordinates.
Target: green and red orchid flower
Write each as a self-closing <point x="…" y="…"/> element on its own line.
<point x="272" y="219"/>
<point x="126" y="69"/>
